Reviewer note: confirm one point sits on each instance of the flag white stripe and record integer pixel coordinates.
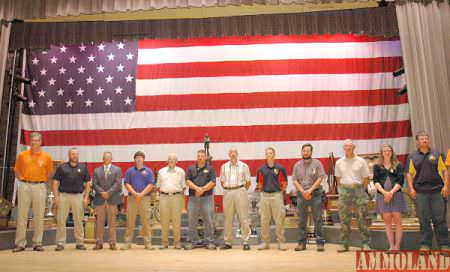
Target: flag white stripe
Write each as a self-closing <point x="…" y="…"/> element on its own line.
<point x="282" y="51"/>
<point x="268" y="83"/>
<point x="222" y="117"/>
<point x="247" y="150"/>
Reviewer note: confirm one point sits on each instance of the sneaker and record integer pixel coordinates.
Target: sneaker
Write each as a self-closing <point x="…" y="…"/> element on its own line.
<point x="282" y="247"/>
<point x="225" y="247"/>
<point x="126" y="246"/>
<point x="211" y="246"/>
<point x="18" y="249"/>
<point x="264" y="246"/>
<point x="80" y="247"/>
<point x="343" y="248"/>
<point x="365" y="247"/>
<point x="59" y="248"/>
<point x="38" y="248"/>
<point x="246" y="247"/>
<point x="300" y="247"/>
<point x="320" y="247"/>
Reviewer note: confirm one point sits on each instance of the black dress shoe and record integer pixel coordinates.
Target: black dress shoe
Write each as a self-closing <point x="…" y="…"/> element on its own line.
<point x="246" y="247"/>
<point x="80" y="247"/>
<point x="59" y="248"/>
<point x="38" y="248"/>
<point x="225" y="247"/>
<point x="18" y="249"/>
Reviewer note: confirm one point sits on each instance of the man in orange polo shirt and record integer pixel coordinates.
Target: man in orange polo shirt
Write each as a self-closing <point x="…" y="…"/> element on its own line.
<point x="33" y="169"/>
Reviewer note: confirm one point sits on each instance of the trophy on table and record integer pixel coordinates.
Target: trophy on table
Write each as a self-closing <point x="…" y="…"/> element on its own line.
<point x="50" y="204"/>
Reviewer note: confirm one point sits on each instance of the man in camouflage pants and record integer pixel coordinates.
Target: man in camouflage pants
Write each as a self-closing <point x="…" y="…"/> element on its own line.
<point x="352" y="175"/>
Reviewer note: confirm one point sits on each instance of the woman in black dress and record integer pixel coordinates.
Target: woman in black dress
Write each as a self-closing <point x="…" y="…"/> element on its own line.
<point x="388" y="177"/>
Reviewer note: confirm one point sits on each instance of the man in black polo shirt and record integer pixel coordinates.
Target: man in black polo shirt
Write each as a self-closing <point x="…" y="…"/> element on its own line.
<point x="71" y="182"/>
<point x="429" y="186"/>
<point x="272" y="181"/>
<point x="201" y="180"/>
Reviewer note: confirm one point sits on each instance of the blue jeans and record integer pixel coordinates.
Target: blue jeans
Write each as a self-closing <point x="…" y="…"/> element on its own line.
<point x="316" y="207"/>
<point x="200" y="206"/>
<point x="432" y="208"/>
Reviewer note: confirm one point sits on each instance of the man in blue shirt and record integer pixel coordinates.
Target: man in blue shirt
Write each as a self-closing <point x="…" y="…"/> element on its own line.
<point x="139" y="181"/>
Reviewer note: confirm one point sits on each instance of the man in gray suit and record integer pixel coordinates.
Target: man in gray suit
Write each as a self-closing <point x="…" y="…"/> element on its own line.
<point x="107" y="186"/>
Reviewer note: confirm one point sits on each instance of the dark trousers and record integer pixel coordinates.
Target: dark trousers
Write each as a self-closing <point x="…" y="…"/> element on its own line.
<point x="431" y="209"/>
<point x="316" y="207"/>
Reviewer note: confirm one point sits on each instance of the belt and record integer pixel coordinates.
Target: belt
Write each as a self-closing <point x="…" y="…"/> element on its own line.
<point x="170" y="194"/>
<point x="33" y="182"/>
<point x="234" y="187"/>
<point x="275" y="192"/>
<point x="351" y="186"/>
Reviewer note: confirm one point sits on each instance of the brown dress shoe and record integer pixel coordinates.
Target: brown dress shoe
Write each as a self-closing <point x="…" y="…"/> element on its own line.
<point x="98" y="246"/>
<point x="113" y="246"/>
<point x="38" y="248"/>
<point x="18" y="249"/>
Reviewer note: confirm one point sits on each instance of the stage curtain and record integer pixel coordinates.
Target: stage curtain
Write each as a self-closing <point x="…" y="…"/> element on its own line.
<point x="29" y="9"/>
<point x="5" y="31"/>
<point x="424" y="34"/>
<point x="368" y="21"/>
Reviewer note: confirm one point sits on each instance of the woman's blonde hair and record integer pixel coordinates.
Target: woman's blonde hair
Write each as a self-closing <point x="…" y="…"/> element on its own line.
<point x="394" y="160"/>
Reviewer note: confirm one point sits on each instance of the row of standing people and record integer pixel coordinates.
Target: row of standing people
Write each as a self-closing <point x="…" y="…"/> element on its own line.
<point x="426" y="174"/>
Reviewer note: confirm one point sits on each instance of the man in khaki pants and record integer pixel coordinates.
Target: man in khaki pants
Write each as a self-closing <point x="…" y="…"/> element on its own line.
<point x="139" y="181"/>
<point x="71" y="182"/>
<point x="271" y="180"/>
<point x="171" y="182"/>
<point x="33" y="169"/>
<point x="235" y="180"/>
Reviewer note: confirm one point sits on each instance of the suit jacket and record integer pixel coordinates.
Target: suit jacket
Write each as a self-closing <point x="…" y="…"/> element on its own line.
<point x="110" y="183"/>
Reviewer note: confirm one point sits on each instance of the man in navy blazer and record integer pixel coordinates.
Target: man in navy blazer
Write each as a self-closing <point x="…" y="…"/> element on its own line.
<point x="107" y="185"/>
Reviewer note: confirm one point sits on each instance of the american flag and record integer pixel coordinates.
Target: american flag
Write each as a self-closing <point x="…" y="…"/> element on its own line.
<point x="163" y="96"/>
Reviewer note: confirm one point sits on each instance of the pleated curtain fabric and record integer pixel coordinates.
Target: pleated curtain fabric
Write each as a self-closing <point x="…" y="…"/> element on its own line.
<point x="424" y="34"/>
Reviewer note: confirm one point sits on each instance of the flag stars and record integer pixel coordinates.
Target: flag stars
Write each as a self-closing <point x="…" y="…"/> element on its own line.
<point x="52" y="82"/>
<point x="63" y="49"/>
<point x="50" y="103"/>
<point x="129" y="56"/>
<point x="89" y="80"/>
<point x="108" y="102"/>
<point x="31" y="104"/>
<point x="43" y="72"/>
<point x="109" y="79"/>
<point x="100" y="69"/>
<point x="70" y="81"/>
<point x="82" y="48"/>
<point x="111" y="57"/>
<point x="88" y="103"/>
<point x="80" y="92"/>
<point x="60" y="92"/>
<point x="91" y="58"/>
<point x="101" y="47"/>
<point x="129" y="78"/>
<point x="62" y="70"/>
<point x="99" y="90"/>
<point x="127" y="100"/>
<point x="120" y="67"/>
<point x="73" y="59"/>
<point x="34" y="83"/>
<point x="35" y="61"/>
<point x="118" y="90"/>
<point x="69" y="103"/>
<point x="54" y="60"/>
<point x="81" y="69"/>
<point x="41" y="93"/>
<point x="120" y="45"/>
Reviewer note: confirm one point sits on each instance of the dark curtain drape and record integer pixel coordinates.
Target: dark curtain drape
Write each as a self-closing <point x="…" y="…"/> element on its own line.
<point x="369" y="21"/>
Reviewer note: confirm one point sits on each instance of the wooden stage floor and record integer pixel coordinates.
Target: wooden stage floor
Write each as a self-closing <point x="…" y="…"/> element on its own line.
<point x="197" y="260"/>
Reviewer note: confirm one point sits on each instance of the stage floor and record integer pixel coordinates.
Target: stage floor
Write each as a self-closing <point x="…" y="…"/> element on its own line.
<point x="197" y="260"/>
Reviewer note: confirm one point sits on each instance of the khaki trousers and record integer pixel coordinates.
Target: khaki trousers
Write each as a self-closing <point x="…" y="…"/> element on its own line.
<point x="102" y="211"/>
<point x="141" y="209"/>
<point x="69" y="202"/>
<point x="236" y="202"/>
<point x="272" y="206"/>
<point x="32" y="195"/>
<point x="170" y="209"/>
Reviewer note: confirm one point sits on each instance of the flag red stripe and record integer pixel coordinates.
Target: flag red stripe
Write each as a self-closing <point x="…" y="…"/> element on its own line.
<point x="269" y="100"/>
<point x="268" y="67"/>
<point x="226" y="134"/>
<point x="253" y="164"/>
<point x="243" y="40"/>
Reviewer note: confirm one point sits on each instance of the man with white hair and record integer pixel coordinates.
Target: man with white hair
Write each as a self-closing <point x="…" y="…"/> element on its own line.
<point x="171" y="183"/>
<point x="235" y="180"/>
<point x="352" y="175"/>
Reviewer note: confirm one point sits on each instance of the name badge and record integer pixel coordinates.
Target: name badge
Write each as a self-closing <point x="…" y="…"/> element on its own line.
<point x="432" y="158"/>
<point x="276" y="171"/>
<point x="205" y="171"/>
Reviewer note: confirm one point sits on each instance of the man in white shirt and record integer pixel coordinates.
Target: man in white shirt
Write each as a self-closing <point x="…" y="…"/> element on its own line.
<point x="352" y="175"/>
<point x="171" y="183"/>
<point x="235" y="180"/>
